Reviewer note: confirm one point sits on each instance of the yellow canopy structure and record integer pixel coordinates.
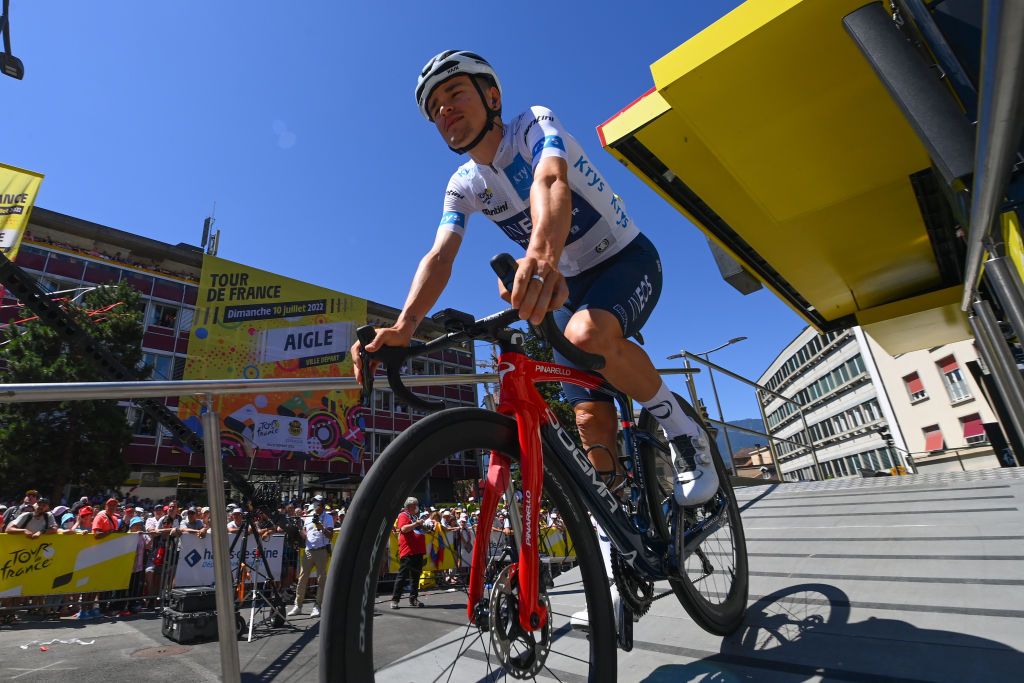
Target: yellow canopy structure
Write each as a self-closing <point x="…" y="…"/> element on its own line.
<point x="772" y="133"/>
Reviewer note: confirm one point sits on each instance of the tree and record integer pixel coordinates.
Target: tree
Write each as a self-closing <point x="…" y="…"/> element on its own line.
<point x="48" y="445"/>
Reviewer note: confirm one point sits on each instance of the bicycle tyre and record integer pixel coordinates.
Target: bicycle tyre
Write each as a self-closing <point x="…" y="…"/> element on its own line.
<point x="346" y="642"/>
<point x="725" y="617"/>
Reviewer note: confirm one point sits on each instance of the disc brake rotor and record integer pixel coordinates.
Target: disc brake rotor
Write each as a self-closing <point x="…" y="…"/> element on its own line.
<point x="521" y="652"/>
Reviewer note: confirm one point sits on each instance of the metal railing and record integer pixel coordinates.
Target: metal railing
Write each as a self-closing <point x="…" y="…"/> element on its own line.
<point x="206" y="391"/>
<point x="689" y="358"/>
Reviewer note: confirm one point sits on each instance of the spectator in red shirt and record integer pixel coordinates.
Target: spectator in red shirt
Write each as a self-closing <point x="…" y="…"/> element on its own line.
<point x="107" y="521"/>
<point x="412" y="552"/>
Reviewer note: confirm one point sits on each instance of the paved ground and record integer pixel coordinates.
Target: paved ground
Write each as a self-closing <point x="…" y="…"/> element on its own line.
<point x="897" y="579"/>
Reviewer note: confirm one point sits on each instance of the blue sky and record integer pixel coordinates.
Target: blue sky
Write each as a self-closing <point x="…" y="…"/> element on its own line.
<point x="298" y="120"/>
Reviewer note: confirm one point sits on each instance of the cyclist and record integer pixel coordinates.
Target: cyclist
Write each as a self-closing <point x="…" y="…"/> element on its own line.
<point x="585" y="259"/>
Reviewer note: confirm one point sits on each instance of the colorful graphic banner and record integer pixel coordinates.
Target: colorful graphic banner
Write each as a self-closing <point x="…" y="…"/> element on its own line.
<point x="56" y="564"/>
<point x="18" y="190"/>
<point x="195" y="559"/>
<point x="253" y="324"/>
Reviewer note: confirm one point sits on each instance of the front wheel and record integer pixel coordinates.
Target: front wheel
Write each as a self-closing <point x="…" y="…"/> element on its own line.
<point x="711" y="581"/>
<point x="437" y="642"/>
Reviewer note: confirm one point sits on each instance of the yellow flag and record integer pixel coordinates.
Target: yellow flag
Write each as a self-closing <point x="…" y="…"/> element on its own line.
<point x="18" y="189"/>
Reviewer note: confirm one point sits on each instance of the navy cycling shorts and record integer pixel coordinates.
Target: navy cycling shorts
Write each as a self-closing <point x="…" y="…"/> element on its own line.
<point x="627" y="285"/>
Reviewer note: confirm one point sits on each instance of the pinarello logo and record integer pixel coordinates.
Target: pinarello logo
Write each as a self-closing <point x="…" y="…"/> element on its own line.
<point x="503" y="369"/>
<point x="553" y="371"/>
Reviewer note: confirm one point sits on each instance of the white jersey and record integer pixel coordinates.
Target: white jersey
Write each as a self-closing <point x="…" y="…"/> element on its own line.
<point x="501" y="191"/>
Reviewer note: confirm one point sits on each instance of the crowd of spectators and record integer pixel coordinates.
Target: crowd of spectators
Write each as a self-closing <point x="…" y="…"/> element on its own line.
<point x="116" y="257"/>
<point x="158" y="525"/>
<point x="307" y="528"/>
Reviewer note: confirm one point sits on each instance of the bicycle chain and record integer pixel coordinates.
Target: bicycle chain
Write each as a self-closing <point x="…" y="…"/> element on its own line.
<point x="634" y="592"/>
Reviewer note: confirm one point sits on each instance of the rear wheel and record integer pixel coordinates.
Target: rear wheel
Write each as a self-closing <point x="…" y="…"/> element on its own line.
<point x="438" y="643"/>
<point x="711" y="581"/>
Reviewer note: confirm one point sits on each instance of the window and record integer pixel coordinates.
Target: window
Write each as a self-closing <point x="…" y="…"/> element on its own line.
<point x="974" y="430"/>
<point x="915" y="387"/>
<point x="382" y="442"/>
<point x="185" y="316"/>
<point x="163" y="316"/>
<point x="161" y="366"/>
<point x="142" y="424"/>
<point x="953" y="379"/>
<point x="382" y="401"/>
<point x="933" y="440"/>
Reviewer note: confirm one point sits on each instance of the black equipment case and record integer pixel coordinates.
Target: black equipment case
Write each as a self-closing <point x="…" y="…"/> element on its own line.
<point x="188" y="627"/>
<point x="194" y="599"/>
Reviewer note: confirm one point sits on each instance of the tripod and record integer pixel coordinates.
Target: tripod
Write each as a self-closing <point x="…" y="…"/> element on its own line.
<point x="265" y="496"/>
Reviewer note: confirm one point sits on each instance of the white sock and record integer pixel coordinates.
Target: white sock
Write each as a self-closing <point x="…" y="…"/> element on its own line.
<point x="666" y="410"/>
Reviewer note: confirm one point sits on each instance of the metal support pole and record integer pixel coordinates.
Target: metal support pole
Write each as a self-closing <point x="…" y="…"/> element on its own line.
<point x="1005" y="284"/>
<point x="227" y="633"/>
<point x="810" y="445"/>
<point x="1000" y="101"/>
<point x="721" y="415"/>
<point x="1000" y="363"/>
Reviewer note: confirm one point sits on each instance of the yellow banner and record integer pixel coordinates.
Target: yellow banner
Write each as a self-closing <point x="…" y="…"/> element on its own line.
<point x="250" y="323"/>
<point x="443" y="552"/>
<point x="56" y="564"/>
<point x="18" y="190"/>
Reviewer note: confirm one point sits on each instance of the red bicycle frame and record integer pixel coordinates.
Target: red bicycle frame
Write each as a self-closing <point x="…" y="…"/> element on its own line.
<point x="520" y="399"/>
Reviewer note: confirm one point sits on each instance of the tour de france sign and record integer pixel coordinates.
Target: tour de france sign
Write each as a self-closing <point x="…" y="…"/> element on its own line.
<point x="251" y="324"/>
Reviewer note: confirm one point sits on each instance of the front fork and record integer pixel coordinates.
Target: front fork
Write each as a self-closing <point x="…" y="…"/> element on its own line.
<point x="532" y="615"/>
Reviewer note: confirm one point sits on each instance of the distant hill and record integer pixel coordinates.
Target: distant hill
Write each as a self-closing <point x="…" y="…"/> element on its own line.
<point x="740" y="439"/>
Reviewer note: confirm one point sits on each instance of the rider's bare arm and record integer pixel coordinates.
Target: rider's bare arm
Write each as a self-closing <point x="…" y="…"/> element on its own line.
<point x="431" y="278"/>
<point x="551" y="215"/>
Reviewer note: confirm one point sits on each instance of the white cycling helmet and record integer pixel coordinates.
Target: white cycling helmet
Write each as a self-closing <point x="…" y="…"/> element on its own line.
<point x="449" y="64"/>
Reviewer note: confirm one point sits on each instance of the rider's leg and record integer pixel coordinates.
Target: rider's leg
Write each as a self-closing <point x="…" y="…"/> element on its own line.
<point x="629" y="369"/>
<point x="599" y="433"/>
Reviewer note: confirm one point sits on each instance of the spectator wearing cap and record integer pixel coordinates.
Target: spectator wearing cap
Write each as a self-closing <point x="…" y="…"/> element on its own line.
<point x="235" y="520"/>
<point x="316" y="533"/>
<point x="13" y="512"/>
<point x="107" y="521"/>
<point x="35" y="523"/>
<point x="153" y="522"/>
<point x="64" y="517"/>
<point x="412" y="551"/>
<point x="83" y="523"/>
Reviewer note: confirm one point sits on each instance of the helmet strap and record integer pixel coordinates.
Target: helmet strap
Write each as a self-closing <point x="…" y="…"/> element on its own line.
<point x="491" y="116"/>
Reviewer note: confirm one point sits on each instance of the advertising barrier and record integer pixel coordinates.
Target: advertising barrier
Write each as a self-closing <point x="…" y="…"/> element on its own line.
<point x="59" y="564"/>
<point x="195" y="559"/>
<point x="454" y="549"/>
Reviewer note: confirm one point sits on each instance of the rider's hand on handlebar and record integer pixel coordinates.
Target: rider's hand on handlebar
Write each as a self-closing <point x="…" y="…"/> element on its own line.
<point x="386" y="336"/>
<point x="533" y="296"/>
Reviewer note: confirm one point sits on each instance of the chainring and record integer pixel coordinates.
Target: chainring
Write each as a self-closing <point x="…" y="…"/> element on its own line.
<point x="636" y="593"/>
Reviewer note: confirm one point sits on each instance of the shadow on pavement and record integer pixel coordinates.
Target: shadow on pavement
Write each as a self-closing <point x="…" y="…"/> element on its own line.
<point x="275" y="667"/>
<point x="803" y="632"/>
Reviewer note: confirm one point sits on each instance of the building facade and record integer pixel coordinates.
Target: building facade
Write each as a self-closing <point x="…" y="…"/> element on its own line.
<point x="860" y="408"/>
<point x="71" y="255"/>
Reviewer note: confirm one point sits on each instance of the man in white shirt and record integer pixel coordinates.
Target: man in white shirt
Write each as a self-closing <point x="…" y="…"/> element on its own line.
<point x="316" y="531"/>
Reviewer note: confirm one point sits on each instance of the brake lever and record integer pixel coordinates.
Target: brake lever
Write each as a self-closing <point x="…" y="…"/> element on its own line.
<point x="365" y="335"/>
<point x="505" y="267"/>
<point x="393" y="357"/>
